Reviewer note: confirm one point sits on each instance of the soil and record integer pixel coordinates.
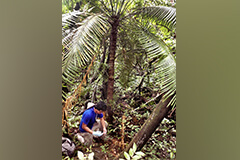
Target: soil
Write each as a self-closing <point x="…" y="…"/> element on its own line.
<point x="103" y="150"/>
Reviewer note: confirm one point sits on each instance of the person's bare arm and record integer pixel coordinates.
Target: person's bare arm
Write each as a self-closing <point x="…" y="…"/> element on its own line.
<point x="103" y="124"/>
<point x="85" y="127"/>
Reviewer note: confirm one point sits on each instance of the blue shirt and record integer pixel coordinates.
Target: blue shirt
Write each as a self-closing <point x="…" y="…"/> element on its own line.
<point x="89" y="118"/>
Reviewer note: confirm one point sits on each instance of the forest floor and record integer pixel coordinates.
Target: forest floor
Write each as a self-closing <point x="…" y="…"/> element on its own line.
<point x="158" y="147"/>
<point x="106" y="149"/>
<point x="128" y="119"/>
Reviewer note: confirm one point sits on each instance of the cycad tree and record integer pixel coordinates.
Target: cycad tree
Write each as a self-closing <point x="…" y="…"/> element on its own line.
<point x="83" y="32"/>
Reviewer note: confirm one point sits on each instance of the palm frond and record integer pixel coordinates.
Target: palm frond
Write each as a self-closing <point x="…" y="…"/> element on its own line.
<point x="104" y="7"/>
<point x="69" y="20"/>
<point x="166" y="69"/>
<point x="83" y="43"/>
<point x="155" y="47"/>
<point x="164" y="64"/>
<point x="165" y="16"/>
<point x="126" y="6"/>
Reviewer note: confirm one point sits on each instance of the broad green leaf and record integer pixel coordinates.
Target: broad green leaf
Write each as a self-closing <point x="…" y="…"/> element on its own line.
<point x="171" y="155"/>
<point x="140" y="153"/>
<point x="131" y="152"/>
<point x="68" y="158"/>
<point x="134" y="147"/>
<point x="126" y="155"/>
<point x="80" y="155"/>
<point x="90" y="156"/>
<point x="136" y="157"/>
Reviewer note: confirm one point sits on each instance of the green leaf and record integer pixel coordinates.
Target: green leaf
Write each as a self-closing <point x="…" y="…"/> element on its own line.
<point x="126" y="155"/>
<point x="136" y="157"/>
<point x="140" y="153"/>
<point x="90" y="156"/>
<point x="166" y="16"/>
<point x="134" y="147"/>
<point x="80" y="50"/>
<point x="80" y="155"/>
<point x="68" y="158"/>
<point x="131" y="152"/>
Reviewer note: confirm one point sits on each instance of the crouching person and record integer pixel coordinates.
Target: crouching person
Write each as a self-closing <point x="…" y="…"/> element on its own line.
<point x="89" y="126"/>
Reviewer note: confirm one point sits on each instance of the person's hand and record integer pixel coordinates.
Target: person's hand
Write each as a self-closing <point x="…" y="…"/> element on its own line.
<point x="104" y="131"/>
<point x="97" y="133"/>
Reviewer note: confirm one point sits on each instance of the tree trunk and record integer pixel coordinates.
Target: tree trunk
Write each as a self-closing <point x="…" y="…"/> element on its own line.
<point x="105" y="72"/>
<point x="148" y="128"/>
<point x="112" y="52"/>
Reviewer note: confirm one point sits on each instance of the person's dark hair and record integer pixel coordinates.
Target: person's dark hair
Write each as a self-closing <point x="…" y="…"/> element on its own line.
<point x="101" y="106"/>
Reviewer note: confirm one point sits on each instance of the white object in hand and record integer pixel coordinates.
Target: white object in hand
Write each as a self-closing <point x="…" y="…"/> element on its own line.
<point x="98" y="133"/>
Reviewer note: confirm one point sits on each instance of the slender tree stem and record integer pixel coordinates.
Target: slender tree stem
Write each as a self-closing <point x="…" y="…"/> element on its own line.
<point x="112" y="53"/>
